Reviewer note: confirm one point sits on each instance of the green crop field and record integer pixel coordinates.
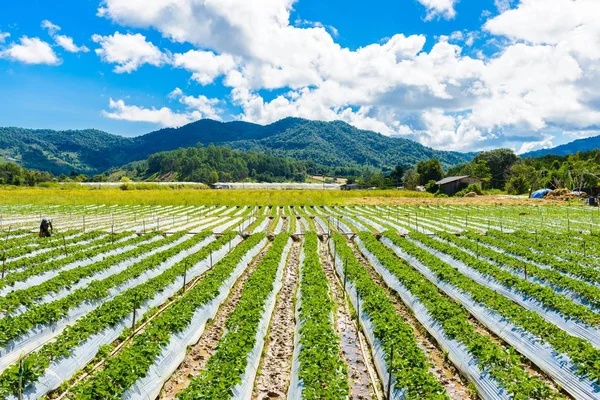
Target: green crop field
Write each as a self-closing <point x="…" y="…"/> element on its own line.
<point x="437" y="300"/>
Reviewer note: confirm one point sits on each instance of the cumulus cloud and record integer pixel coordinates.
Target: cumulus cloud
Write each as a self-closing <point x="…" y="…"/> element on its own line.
<point x="4" y="36"/>
<point x="128" y="51"/>
<point x="162" y="116"/>
<point x="196" y="108"/>
<point x="31" y="51"/>
<point x="204" y="65"/>
<point x="439" y="8"/>
<point x="63" y="41"/>
<point x="544" y="74"/>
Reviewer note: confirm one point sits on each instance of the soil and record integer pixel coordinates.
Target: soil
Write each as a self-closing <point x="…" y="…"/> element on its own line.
<point x="361" y="386"/>
<point x="273" y="377"/>
<point x="445" y="372"/>
<point x="198" y="355"/>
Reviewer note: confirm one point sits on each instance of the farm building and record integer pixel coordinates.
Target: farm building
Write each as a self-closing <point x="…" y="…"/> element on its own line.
<point x="453" y="184"/>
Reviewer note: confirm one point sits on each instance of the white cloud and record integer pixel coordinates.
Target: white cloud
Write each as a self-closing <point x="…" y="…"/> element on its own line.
<point x="544" y="75"/>
<point x="545" y="143"/>
<point x="63" y="41"/>
<point x="52" y="28"/>
<point x="205" y="65"/>
<point x="196" y="108"/>
<point x="163" y="116"/>
<point x="128" y="51"/>
<point x="439" y="8"/>
<point x="3" y="36"/>
<point x="67" y="43"/>
<point x="200" y="104"/>
<point x="31" y="51"/>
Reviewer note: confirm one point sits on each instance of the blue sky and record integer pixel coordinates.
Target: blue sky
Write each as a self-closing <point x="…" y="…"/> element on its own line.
<point x="464" y="75"/>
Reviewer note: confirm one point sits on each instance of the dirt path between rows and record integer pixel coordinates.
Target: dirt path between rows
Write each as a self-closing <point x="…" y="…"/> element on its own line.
<point x="361" y="386"/>
<point x="198" y="355"/>
<point x="442" y="369"/>
<point x="273" y="377"/>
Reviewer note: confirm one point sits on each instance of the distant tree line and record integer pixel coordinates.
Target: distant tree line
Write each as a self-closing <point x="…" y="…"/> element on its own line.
<point x="13" y="174"/>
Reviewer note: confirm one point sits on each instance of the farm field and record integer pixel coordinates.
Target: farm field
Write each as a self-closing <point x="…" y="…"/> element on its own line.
<point x="221" y="301"/>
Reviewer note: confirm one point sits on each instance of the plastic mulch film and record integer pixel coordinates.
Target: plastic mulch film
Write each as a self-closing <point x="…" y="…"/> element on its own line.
<point x="380" y="358"/>
<point x="243" y="391"/>
<point x="240" y="211"/>
<point x="41" y="334"/>
<point x="296" y="385"/>
<point x="543" y="266"/>
<point x="114" y="269"/>
<point x="63" y="369"/>
<point x="371" y="221"/>
<point x="263" y="226"/>
<point x="223" y="227"/>
<point x="397" y="227"/>
<point x="321" y="224"/>
<point x="174" y="353"/>
<point x="487" y="387"/>
<point x="575" y="297"/>
<point x="570" y="325"/>
<point x="41" y="278"/>
<point x="357" y="224"/>
<point x="278" y="227"/>
<point x="557" y="365"/>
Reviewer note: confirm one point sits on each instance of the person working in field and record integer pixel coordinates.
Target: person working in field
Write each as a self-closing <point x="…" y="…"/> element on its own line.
<point x="46" y="228"/>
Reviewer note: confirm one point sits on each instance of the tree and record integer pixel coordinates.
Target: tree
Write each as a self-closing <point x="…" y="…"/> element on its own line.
<point x="430" y="170"/>
<point x="396" y="175"/>
<point x="523" y="178"/>
<point x="499" y="162"/>
<point x="480" y="170"/>
<point x="213" y="177"/>
<point x="411" y="179"/>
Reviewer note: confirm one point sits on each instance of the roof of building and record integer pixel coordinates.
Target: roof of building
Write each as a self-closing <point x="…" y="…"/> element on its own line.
<point x="451" y="179"/>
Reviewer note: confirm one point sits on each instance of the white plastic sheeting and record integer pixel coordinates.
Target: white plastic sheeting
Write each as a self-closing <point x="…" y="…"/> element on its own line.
<point x="575" y="297"/>
<point x="41" y="334"/>
<point x="296" y="385"/>
<point x="64" y="368"/>
<point x="115" y="269"/>
<point x="262" y="226"/>
<point x="243" y="391"/>
<point x="37" y="279"/>
<point x="173" y="354"/>
<point x="380" y="358"/>
<point x="223" y="227"/>
<point x="570" y="325"/>
<point x="556" y="365"/>
<point x="278" y="227"/>
<point x="487" y="387"/>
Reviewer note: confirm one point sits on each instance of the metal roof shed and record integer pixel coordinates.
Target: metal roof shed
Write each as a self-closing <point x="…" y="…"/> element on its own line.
<point x="453" y="184"/>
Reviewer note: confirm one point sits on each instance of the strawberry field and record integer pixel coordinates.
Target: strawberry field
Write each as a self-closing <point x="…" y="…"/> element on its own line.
<point x="299" y="302"/>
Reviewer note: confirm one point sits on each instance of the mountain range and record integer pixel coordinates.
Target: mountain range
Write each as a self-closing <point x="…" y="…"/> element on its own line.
<point x="332" y="144"/>
<point x="576" y="146"/>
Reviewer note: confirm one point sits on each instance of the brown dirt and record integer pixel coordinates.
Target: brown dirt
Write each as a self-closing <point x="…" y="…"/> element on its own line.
<point x="358" y="374"/>
<point x="198" y="355"/>
<point x="442" y="369"/>
<point x="273" y="377"/>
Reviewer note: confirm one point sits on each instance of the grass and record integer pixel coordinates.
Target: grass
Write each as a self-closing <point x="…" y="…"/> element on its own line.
<point x="188" y="196"/>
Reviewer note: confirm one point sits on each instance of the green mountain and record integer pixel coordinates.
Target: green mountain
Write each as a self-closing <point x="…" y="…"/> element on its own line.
<point x="576" y="146"/>
<point x="332" y="144"/>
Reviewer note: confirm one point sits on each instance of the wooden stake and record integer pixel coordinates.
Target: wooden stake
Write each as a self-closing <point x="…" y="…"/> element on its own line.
<point x="134" y="312"/>
<point x="389" y="386"/>
<point x="21" y="373"/>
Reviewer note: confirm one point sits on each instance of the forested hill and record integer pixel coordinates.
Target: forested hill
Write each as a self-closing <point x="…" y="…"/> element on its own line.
<point x="334" y="144"/>
<point x="216" y="163"/>
<point x="576" y="146"/>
